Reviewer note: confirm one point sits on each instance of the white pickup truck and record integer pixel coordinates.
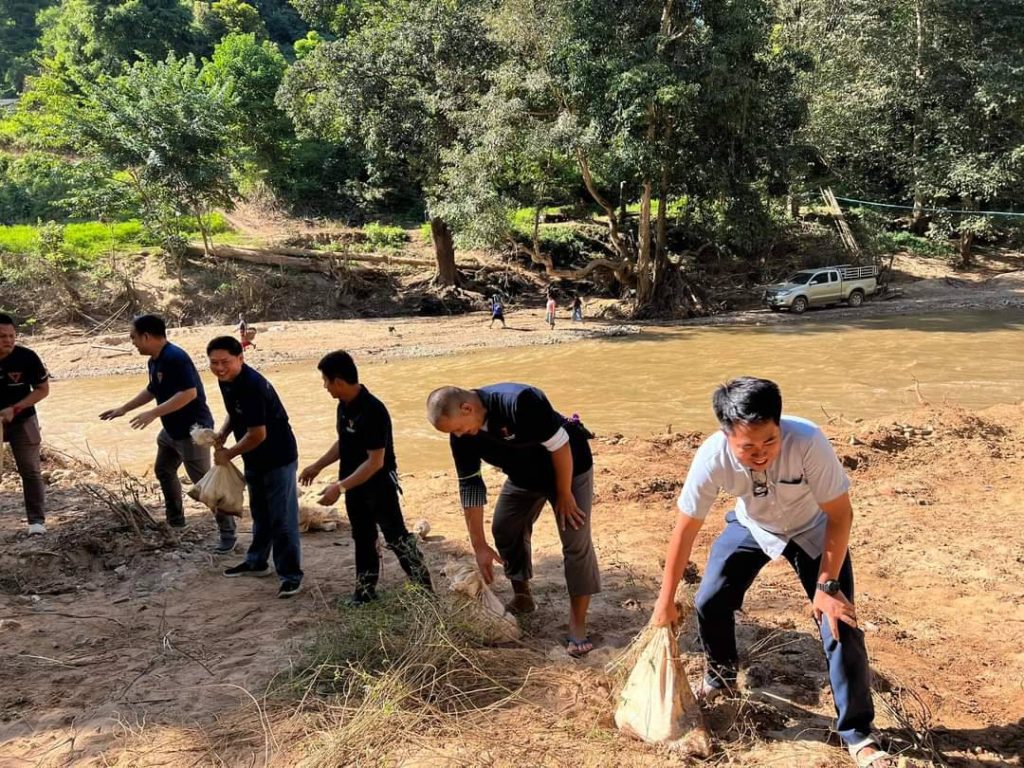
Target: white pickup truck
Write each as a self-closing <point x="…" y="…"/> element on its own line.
<point x="822" y="287"/>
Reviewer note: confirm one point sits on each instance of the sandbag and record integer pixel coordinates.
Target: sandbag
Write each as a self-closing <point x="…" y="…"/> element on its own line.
<point x="483" y="608"/>
<point x="316" y="517"/>
<point x="203" y="436"/>
<point x="421" y="528"/>
<point x="222" y="489"/>
<point x="656" y="703"/>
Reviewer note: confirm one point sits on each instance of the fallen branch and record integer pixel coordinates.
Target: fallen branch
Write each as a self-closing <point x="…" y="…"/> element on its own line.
<point x="306" y="259"/>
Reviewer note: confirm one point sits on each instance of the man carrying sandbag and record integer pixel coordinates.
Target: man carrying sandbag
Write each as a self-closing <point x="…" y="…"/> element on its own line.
<point x="792" y="501"/>
<point x="547" y="459"/>
<point x="266" y="443"/>
<point x="23" y="383"/>
<point x="180" y="405"/>
<point x="368" y="476"/>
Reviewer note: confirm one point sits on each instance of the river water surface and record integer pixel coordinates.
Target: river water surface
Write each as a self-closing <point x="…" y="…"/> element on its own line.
<point x="635" y="385"/>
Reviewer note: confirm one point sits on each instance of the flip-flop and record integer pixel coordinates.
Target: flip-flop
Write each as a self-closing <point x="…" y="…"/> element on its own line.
<point x="577" y="649"/>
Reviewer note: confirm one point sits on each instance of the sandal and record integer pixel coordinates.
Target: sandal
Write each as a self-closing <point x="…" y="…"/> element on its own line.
<point x="577" y="649"/>
<point x="864" y="761"/>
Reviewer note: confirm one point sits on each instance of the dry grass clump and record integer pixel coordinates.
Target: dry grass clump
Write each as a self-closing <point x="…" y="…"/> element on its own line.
<point x="404" y="671"/>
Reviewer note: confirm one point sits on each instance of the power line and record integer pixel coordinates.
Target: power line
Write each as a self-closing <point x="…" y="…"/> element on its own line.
<point x="929" y="210"/>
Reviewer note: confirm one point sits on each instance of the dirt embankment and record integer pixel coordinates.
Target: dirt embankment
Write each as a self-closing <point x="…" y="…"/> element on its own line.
<point x="922" y="288"/>
<point x="130" y="649"/>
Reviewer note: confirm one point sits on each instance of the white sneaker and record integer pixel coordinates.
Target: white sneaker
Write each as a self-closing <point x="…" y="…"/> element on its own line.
<point x="36" y="529"/>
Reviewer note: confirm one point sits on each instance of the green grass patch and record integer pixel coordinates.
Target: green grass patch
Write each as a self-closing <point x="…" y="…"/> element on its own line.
<point x="91" y="240"/>
<point x="919" y="246"/>
<point x="19" y="239"/>
<point x="383" y="236"/>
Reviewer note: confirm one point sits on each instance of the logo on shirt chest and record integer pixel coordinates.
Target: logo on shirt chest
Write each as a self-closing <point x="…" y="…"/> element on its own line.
<point x="350" y="426"/>
<point x="14" y="376"/>
<point x="506" y="434"/>
<point x="159" y="377"/>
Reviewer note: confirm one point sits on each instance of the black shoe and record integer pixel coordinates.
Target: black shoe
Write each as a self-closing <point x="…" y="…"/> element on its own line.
<point x="178" y="525"/>
<point x="289" y="588"/>
<point x="224" y="547"/>
<point x="245" y="569"/>
<point x="358" y="598"/>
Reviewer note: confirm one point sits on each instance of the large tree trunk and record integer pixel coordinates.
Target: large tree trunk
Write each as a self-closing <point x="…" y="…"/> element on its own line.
<point x="444" y="252"/>
<point x="661" y="237"/>
<point x="918" y="224"/>
<point x="966" y="234"/>
<point x="644" y="261"/>
<point x="614" y="231"/>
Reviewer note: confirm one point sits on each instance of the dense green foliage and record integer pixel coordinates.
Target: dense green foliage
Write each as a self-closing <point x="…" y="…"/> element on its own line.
<point x="668" y="130"/>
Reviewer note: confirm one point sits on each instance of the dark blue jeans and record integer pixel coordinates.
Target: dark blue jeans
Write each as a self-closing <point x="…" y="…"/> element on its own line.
<point x="274" y="504"/>
<point x="734" y="562"/>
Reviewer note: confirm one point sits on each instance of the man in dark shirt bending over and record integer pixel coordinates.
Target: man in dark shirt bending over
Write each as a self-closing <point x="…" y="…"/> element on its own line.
<point x="368" y="476"/>
<point x="546" y="458"/>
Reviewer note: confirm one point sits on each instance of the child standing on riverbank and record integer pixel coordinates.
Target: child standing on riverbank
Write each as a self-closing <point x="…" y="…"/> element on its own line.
<point x="497" y="311"/>
<point x="549" y="316"/>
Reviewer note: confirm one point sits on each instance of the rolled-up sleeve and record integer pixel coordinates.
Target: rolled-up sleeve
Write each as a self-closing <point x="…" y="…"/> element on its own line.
<point x="472" y="489"/>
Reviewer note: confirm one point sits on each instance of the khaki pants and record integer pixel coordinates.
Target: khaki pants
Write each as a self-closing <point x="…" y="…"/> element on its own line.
<point x="515" y="513"/>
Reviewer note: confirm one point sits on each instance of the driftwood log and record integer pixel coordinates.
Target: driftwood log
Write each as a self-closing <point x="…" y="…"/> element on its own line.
<point x="305" y="259"/>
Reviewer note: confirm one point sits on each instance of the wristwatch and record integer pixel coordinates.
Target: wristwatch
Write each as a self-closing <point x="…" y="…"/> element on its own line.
<point x="829" y="587"/>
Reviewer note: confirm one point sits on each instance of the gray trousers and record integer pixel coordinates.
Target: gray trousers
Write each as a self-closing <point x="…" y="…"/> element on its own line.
<point x="515" y="512"/>
<point x="171" y="454"/>
<point x="25" y="444"/>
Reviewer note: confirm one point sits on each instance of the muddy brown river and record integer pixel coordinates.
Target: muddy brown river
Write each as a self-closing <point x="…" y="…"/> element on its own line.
<point x="636" y="385"/>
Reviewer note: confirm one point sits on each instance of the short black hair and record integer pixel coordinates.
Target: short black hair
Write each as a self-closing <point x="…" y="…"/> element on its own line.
<point x="228" y="344"/>
<point x="6" y="319"/>
<point x="747" y="400"/>
<point x="339" y="365"/>
<point x="154" y="325"/>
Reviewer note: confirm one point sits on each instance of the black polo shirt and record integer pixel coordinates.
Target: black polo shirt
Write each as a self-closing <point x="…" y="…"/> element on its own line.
<point x="20" y="372"/>
<point x="364" y="425"/>
<point x="171" y="372"/>
<point x="251" y="401"/>
<point x="519" y="421"/>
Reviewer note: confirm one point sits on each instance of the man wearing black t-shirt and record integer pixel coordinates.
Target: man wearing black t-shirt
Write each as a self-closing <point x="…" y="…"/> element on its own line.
<point x="547" y="459"/>
<point x="367" y="472"/>
<point x="23" y="383"/>
<point x="180" y="404"/>
<point x="265" y="441"/>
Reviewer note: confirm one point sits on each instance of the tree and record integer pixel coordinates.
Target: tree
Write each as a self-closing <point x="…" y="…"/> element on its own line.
<point x="253" y="70"/>
<point x="232" y="17"/>
<point x="18" y="36"/>
<point x="101" y="35"/>
<point x="917" y="99"/>
<point x="657" y="99"/>
<point x="393" y="85"/>
<point x="167" y="129"/>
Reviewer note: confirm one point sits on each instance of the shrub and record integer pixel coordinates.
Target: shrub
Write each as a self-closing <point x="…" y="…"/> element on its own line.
<point x="382" y="236"/>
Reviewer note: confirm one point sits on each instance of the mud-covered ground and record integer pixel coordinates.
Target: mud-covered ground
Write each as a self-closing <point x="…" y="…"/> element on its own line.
<point x="129" y="648"/>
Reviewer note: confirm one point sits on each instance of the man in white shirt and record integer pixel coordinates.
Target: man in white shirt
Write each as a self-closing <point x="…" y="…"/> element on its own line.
<point x="792" y="501"/>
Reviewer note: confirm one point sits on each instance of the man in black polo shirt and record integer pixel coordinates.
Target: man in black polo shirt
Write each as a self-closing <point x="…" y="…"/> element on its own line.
<point x="180" y="404"/>
<point x="23" y="383"/>
<point x="546" y="458"/>
<point x="266" y="443"/>
<point x="368" y="473"/>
